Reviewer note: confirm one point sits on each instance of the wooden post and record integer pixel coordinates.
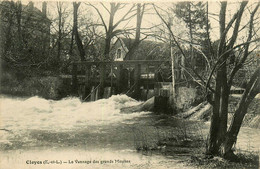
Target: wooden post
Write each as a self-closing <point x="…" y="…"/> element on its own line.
<point x="173" y="73"/>
<point x="102" y="79"/>
<point x="119" y="78"/>
<point x="74" y="79"/>
<point x="107" y="92"/>
<point x="148" y="80"/>
<point x="94" y="75"/>
<point x="161" y="97"/>
<point x="111" y="77"/>
<point x="97" y="94"/>
<point x="87" y="82"/>
<point x="87" y="75"/>
<point x="93" y="93"/>
<point x="137" y="81"/>
<point x="156" y="73"/>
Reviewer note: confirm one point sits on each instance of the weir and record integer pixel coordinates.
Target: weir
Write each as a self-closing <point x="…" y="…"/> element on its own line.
<point x="139" y="79"/>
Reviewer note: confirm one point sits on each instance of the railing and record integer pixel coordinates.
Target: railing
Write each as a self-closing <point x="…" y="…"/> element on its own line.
<point x="132" y="62"/>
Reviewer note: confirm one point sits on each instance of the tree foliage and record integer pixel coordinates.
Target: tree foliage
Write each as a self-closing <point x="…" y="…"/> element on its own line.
<point x="195" y="16"/>
<point x="229" y="57"/>
<point x="22" y="27"/>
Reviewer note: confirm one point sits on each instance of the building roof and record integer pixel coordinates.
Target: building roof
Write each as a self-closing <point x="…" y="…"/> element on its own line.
<point x="147" y="49"/>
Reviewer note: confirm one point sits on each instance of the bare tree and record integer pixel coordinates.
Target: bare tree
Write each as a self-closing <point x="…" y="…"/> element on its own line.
<point x="18" y="12"/>
<point x="221" y="140"/>
<point x="139" y="16"/>
<point x="60" y="29"/>
<point x="111" y="29"/>
<point x="230" y="138"/>
<point x="60" y="11"/>
<point x="76" y="32"/>
<point x="223" y="82"/>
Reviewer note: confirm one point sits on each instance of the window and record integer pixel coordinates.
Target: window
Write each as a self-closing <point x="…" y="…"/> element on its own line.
<point x="118" y="54"/>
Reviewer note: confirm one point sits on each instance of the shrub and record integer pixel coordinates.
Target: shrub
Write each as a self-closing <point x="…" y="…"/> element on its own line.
<point x="48" y="87"/>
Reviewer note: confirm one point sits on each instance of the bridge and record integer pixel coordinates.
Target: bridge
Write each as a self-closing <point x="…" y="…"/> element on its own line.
<point x="118" y="77"/>
<point x="139" y="79"/>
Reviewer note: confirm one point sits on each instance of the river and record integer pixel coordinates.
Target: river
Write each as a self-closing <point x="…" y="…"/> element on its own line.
<point x="40" y="133"/>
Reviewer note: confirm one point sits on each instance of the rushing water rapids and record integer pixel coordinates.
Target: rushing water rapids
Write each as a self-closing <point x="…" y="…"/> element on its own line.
<point x="71" y="132"/>
<point x="66" y="114"/>
<point x="35" y="129"/>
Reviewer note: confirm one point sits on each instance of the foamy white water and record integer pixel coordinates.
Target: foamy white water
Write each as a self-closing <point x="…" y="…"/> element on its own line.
<point x="22" y="115"/>
<point x="18" y="115"/>
<point x="66" y="114"/>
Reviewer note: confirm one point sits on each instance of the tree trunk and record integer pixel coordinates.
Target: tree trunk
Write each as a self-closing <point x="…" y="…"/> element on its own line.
<point x="19" y="18"/>
<point x="139" y="16"/>
<point x="212" y="142"/>
<point x="109" y="36"/>
<point x="75" y="31"/>
<point x="220" y="105"/>
<point x="221" y="141"/>
<point x="107" y="47"/>
<point x="218" y="127"/>
<point x="252" y="89"/>
<point x="59" y="33"/>
<point x="8" y="36"/>
<point x="71" y="43"/>
<point x="223" y="111"/>
<point x="191" y="38"/>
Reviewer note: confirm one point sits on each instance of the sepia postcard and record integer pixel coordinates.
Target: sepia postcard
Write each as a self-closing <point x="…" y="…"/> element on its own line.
<point x="129" y="84"/>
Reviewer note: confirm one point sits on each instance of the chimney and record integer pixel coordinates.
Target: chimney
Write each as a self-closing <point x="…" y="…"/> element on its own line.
<point x="44" y="8"/>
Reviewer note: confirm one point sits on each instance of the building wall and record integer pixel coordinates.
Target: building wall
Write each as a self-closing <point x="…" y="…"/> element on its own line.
<point x="119" y="45"/>
<point x="146" y="72"/>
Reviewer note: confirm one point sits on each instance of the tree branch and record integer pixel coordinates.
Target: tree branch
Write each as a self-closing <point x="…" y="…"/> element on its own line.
<point x="101" y="17"/>
<point x="207" y="29"/>
<point x="124" y="17"/>
<point x="237" y="24"/>
<point x="105" y="7"/>
<point x="224" y="54"/>
<point x="179" y="47"/>
<point x="222" y="29"/>
<point x="197" y="81"/>
<point x="205" y="57"/>
<point x="246" y="53"/>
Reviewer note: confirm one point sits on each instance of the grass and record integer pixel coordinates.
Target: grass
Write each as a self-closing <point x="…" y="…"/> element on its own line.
<point x="168" y="133"/>
<point x="245" y="161"/>
<point x="186" y="140"/>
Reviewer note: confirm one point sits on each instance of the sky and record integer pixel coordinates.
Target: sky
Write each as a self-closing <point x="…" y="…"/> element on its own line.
<point x="150" y="18"/>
